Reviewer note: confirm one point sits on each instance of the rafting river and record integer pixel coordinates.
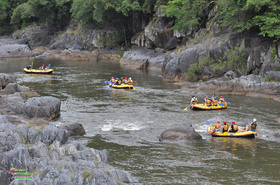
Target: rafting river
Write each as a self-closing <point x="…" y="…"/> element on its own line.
<point x="128" y="124"/>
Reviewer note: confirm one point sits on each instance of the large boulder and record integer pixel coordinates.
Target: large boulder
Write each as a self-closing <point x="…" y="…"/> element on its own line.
<point x="5" y="79"/>
<point x="15" y="50"/>
<point x="273" y="75"/>
<point x="42" y="107"/>
<point x="74" y="129"/>
<point x="180" y="134"/>
<point x="142" y="58"/>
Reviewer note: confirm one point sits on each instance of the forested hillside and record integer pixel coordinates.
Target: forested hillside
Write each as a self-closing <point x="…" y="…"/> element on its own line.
<point x="261" y="15"/>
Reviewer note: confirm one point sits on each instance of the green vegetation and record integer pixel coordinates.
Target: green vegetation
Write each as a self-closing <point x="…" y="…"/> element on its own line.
<point x="120" y="52"/>
<point x="86" y="174"/>
<point x="235" y="60"/>
<point x="260" y="15"/>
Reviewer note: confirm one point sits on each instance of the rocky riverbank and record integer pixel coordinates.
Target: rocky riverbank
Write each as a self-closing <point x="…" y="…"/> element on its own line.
<point x="251" y="85"/>
<point x="29" y="143"/>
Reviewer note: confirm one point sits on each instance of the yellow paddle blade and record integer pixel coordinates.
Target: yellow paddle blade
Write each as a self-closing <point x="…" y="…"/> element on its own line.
<point x="186" y="109"/>
<point x="133" y="88"/>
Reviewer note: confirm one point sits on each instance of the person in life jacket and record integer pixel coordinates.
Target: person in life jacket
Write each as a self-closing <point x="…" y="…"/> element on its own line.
<point x="234" y="127"/>
<point x="129" y="82"/>
<point x="215" y="102"/>
<point x="218" y="126"/>
<point x="122" y="80"/>
<point x="208" y="102"/>
<point x="246" y="127"/>
<point x="125" y="80"/>
<point x="225" y="127"/>
<point x="113" y="80"/>
<point x="205" y="100"/>
<point x="212" y="98"/>
<point x="254" y="125"/>
<point x="194" y="100"/>
<point x="221" y="100"/>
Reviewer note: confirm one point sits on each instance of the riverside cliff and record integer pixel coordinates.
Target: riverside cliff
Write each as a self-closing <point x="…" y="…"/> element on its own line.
<point x="201" y="55"/>
<point x="28" y="142"/>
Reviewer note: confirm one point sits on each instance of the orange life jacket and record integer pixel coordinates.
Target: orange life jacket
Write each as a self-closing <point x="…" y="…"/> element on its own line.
<point x="215" y="102"/>
<point x="208" y="102"/>
<point x="225" y="128"/>
<point x="218" y="126"/>
<point x="235" y="128"/>
<point x="222" y="100"/>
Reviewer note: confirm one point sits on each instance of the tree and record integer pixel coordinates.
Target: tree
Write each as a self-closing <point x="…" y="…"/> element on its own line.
<point x="187" y="13"/>
<point x="51" y="11"/>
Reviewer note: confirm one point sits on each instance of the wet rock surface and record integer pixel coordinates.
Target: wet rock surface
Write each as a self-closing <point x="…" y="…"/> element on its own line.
<point x="184" y="133"/>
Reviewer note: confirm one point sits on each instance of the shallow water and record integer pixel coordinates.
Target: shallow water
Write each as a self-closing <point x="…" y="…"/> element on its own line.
<point x="128" y="123"/>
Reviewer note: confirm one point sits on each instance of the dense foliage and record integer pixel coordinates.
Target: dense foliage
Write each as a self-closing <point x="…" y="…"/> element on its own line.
<point x="240" y="15"/>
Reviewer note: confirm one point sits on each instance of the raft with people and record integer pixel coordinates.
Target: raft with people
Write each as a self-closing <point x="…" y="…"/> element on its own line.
<point x="41" y="70"/>
<point x="206" y="107"/>
<point x="241" y="134"/>
<point x="122" y="83"/>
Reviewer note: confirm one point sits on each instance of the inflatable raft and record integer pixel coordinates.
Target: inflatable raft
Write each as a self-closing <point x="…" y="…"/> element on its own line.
<point x="241" y="134"/>
<point x="205" y="107"/>
<point x="122" y="86"/>
<point x="38" y="71"/>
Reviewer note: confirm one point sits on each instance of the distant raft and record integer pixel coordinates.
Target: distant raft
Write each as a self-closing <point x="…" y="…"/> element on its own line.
<point x="205" y="107"/>
<point x="241" y="134"/>
<point x="122" y="86"/>
<point x="38" y="71"/>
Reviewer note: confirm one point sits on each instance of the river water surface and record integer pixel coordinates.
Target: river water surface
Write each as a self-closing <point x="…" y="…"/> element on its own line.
<point x="128" y="123"/>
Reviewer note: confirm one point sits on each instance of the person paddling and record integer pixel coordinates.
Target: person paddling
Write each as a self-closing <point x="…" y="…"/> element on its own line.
<point x="225" y="127"/>
<point x="193" y="100"/>
<point x="218" y="126"/>
<point x="254" y="125"/>
<point x="234" y="127"/>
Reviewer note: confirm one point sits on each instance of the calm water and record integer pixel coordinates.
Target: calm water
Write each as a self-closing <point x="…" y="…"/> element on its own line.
<point x="128" y="124"/>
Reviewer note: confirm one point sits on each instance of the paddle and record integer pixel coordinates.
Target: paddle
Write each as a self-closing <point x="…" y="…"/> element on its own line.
<point x="187" y="108"/>
<point x="228" y="103"/>
<point x="134" y="81"/>
<point x="208" y="122"/>
<point x="221" y="104"/>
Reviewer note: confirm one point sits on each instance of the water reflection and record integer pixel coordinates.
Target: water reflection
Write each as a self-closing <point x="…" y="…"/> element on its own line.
<point x="233" y="144"/>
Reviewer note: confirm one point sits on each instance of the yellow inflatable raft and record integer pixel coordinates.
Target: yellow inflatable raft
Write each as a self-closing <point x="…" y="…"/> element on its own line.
<point x="122" y="86"/>
<point x="38" y="71"/>
<point x="205" y="107"/>
<point x="246" y="134"/>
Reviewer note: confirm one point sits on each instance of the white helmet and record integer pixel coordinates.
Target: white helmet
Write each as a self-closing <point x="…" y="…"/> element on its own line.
<point x="254" y="120"/>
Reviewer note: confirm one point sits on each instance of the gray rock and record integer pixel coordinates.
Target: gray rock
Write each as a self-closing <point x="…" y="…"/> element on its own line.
<point x="230" y="74"/>
<point x="49" y="134"/>
<point x="5" y="177"/>
<point x="273" y="75"/>
<point x="180" y="134"/>
<point x="14" y="50"/>
<point x="11" y="88"/>
<point x="42" y="107"/>
<point x="74" y="129"/>
<point x="5" y="79"/>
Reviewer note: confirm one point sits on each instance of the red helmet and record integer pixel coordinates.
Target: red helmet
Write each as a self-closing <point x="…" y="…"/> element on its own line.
<point x="221" y="96"/>
<point x="218" y="121"/>
<point x="112" y="77"/>
<point x="125" y="78"/>
<point x="121" y="77"/>
<point x="234" y="123"/>
<point x="225" y="122"/>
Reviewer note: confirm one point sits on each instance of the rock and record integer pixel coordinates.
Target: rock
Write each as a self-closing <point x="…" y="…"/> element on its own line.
<point x="74" y="129"/>
<point x="273" y="75"/>
<point x="180" y="134"/>
<point x="15" y="50"/>
<point x="35" y="35"/>
<point x="42" y="107"/>
<point x="141" y="58"/>
<point x="11" y="88"/>
<point x="5" y="79"/>
<point x="171" y="44"/>
<point x="230" y="74"/>
<point x="49" y="134"/>
<point x="5" y="177"/>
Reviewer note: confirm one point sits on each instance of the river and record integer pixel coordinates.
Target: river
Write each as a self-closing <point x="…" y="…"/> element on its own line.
<point x="128" y="123"/>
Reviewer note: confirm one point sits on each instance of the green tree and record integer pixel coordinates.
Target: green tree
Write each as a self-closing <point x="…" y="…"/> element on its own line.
<point x="187" y="13"/>
<point x="51" y="11"/>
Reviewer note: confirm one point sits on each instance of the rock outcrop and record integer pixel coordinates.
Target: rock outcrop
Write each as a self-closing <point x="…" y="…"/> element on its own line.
<point x="52" y="158"/>
<point x="180" y="134"/>
<point x="252" y="85"/>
